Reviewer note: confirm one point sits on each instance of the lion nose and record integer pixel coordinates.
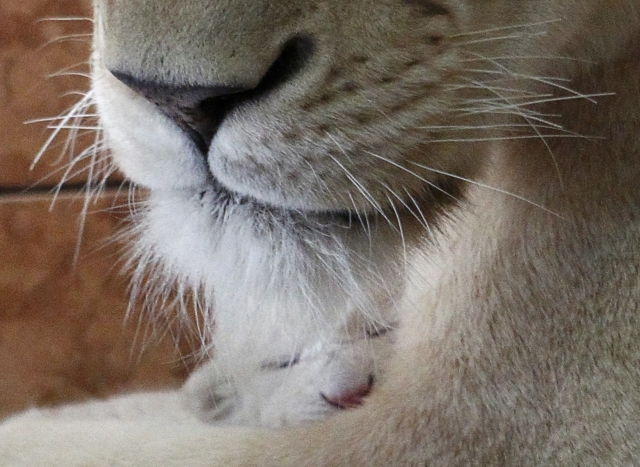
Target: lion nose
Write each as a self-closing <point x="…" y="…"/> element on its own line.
<point x="199" y="110"/>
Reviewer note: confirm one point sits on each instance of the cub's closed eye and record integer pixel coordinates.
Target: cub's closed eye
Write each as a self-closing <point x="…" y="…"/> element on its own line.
<point x="281" y="364"/>
<point x="377" y="332"/>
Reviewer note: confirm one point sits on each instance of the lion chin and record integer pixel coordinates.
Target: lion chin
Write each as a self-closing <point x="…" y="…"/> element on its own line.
<point x="411" y="228"/>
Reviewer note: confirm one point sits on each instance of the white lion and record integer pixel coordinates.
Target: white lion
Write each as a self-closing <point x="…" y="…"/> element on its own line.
<point x="464" y="173"/>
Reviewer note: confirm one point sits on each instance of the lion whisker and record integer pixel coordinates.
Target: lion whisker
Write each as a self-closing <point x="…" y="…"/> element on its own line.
<point x="424" y="222"/>
<point x="421" y="219"/>
<point x="80" y="37"/>
<point x="66" y="117"/>
<point x="411" y="172"/>
<point x="506" y="28"/>
<point x="69" y="73"/>
<point x="57" y="119"/>
<point x="400" y="228"/>
<point x="361" y="188"/>
<point x="484" y="185"/>
<point x="65" y="18"/>
<point x="501" y="138"/>
<point x="362" y="219"/>
<point x="525" y="57"/>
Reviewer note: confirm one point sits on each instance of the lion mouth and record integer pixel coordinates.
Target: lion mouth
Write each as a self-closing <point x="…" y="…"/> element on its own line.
<point x="430" y="201"/>
<point x="225" y="198"/>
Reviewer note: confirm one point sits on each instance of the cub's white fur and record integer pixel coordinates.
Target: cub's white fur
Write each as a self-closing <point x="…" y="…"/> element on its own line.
<point x="291" y="392"/>
<point x="464" y="171"/>
<point x="280" y="393"/>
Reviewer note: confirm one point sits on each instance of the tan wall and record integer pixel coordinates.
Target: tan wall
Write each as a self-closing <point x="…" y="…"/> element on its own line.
<point x="61" y="324"/>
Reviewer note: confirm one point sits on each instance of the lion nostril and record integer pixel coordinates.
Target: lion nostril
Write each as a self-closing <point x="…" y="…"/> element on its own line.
<point x="199" y="110"/>
<point x="294" y="56"/>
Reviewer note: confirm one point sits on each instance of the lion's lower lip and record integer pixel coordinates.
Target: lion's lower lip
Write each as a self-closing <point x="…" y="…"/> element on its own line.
<point x="432" y="198"/>
<point x="338" y="216"/>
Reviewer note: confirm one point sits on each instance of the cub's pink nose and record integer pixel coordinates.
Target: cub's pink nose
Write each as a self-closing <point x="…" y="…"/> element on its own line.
<point x="350" y="398"/>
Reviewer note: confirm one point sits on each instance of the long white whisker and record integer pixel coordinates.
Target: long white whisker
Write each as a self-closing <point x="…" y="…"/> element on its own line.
<point x="497" y="126"/>
<point x="400" y="229"/>
<point x="411" y="172"/>
<point x="81" y="37"/>
<point x="57" y="119"/>
<point x="505" y="28"/>
<point x="65" y="167"/>
<point x="502" y="38"/>
<point x="421" y="220"/>
<point x="77" y="107"/>
<point x="364" y="223"/>
<point x="68" y="73"/>
<point x="483" y="185"/>
<point x="363" y="191"/>
<point x="508" y="138"/>
<point x="83" y="64"/>
<point x="512" y="75"/>
<point x="530" y="115"/>
<point x="533" y="116"/>
<point x="524" y="113"/>
<point x="74" y="127"/>
<point x="544" y="80"/>
<point x="500" y="99"/>
<point x="65" y="18"/>
<point x="493" y="85"/>
<point x="588" y="97"/>
<point x="424" y="222"/>
<point x="526" y="57"/>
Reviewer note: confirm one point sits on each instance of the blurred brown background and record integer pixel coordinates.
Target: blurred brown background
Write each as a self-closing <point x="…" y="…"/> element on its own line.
<point x="62" y="330"/>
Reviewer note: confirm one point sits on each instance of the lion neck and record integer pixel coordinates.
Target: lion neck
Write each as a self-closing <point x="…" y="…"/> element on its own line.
<point x="597" y="166"/>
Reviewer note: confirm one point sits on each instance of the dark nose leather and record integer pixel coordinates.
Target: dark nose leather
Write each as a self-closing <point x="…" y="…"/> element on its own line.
<point x="197" y="110"/>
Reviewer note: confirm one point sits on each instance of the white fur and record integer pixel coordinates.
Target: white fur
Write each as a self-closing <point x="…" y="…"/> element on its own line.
<point x="516" y="294"/>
